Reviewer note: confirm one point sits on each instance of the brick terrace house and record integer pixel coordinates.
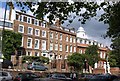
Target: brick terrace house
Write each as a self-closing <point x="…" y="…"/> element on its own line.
<point x="52" y="41"/>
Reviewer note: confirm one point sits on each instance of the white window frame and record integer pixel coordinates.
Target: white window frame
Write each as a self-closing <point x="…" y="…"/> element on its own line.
<point x="31" y="31"/>
<point x="51" y="46"/>
<point x="70" y="39"/>
<point x="30" y="20"/>
<point x="42" y="33"/>
<point x="66" y="38"/>
<point x="38" y="32"/>
<point x="60" y="47"/>
<point x="36" y="22"/>
<point x="70" y="48"/>
<point x="51" y="35"/>
<point x="56" y="35"/>
<point x="37" y="44"/>
<point x="60" y="36"/>
<point x="37" y="53"/>
<point x="22" y="29"/>
<point x="56" y="47"/>
<point x="101" y="54"/>
<point x="21" y="17"/>
<point x="43" y="24"/>
<point x="30" y="53"/>
<point x="44" y="45"/>
<point x="30" y="43"/>
<point x="66" y="47"/>
<point x="74" y="49"/>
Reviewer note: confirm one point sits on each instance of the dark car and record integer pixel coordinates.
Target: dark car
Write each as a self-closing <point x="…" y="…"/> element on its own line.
<point x="27" y="77"/>
<point x="7" y="63"/>
<point x="36" y="66"/>
<point x="58" y="76"/>
<point x="103" y="78"/>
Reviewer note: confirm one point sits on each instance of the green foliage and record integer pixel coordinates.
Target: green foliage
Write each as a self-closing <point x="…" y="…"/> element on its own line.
<point x="35" y="58"/>
<point x="76" y="60"/>
<point x="115" y="54"/>
<point x="112" y="59"/>
<point x="11" y="41"/>
<point x="92" y="55"/>
<point x="61" y="10"/>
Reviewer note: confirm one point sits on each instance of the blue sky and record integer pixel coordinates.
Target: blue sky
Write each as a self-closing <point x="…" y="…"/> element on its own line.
<point x="93" y="28"/>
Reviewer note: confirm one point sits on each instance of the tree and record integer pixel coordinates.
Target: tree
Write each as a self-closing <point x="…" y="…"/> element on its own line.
<point x="112" y="59"/>
<point x="76" y="60"/>
<point x="61" y="10"/>
<point x="92" y="55"/>
<point x="112" y="17"/>
<point x="35" y="58"/>
<point x="11" y="42"/>
<point x="115" y="54"/>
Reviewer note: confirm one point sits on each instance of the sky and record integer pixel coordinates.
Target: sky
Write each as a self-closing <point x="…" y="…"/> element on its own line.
<point x="93" y="28"/>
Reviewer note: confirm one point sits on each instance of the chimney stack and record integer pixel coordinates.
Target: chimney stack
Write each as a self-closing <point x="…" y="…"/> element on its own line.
<point x="57" y="23"/>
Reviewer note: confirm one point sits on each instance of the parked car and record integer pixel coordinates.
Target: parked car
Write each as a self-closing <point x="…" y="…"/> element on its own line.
<point x="58" y="76"/>
<point x="86" y="77"/>
<point x="7" y="63"/>
<point x="27" y="77"/>
<point x="36" y="66"/>
<point x="103" y="78"/>
<point x="5" y="76"/>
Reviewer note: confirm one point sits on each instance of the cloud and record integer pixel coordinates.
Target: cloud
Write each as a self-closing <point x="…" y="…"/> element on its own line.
<point x="94" y="30"/>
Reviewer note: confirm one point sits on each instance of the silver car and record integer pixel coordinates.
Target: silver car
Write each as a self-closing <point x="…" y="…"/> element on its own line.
<point x="5" y="76"/>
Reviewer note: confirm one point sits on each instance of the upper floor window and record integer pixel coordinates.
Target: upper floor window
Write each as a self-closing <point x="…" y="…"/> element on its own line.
<point x="28" y="20"/>
<point x="43" y="33"/>
<point x="74" y="49"/>
<point x="66" y="48"/>
<point x="56" y="47"/>
<point x="37" y="32"/>
<point x="25" y="19"/>
<point x="74" y="40"/>
<point x="21" y="18"/>
<point x="33" y="21"/>
<point x="66" y="38"/>
<point x="101" y="54"/>
<point x="60" y="47"/>
<point x="51" y="46"/>
<point x="43" y="44"/>
<point x="17" y="17"/>
<point x="70" y="39"/>
<point x="30" y="30"/>
<point x="21" y="29"/>
<point x="36" y="22"/>
<point x="36" y="43"/>
<point x="60" y="36"/>
<point x="56" y="35"/>
<point x="43" y="24"/>
<point x="29" y="43"/>
<point x="51" y="35"/>
<point x="71" y="48"/>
